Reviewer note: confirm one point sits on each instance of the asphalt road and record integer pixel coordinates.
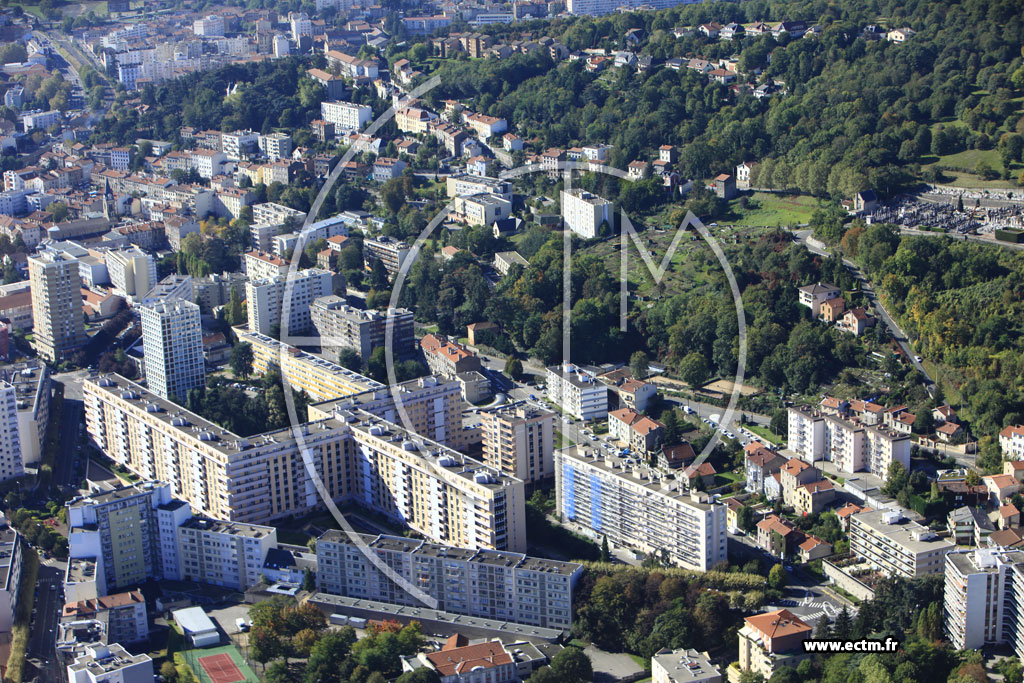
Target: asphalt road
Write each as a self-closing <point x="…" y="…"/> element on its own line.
<point x="880" y="311"/>
<point x="65" y="473"/>
<point x="42" y="636"/>
<point x="804" y="596"/>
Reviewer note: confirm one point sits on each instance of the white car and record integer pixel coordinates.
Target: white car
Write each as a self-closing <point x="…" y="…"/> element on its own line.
<point x="917" y="359"/>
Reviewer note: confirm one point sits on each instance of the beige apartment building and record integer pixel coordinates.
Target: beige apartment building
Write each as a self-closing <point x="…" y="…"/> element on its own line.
<point x="478" y="583"/>
<point x="520" y="441"/>
<point x="430" y="406"/>
<point x="853" y="446"/>
<point x="772" y="640"/>
<point x="56" y="304"/>
<point x="358" y="457"/>
<point x="897" y="546"/>
<point x="321" y="379"/>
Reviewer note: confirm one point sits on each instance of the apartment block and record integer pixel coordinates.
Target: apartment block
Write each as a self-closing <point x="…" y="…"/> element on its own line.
<point x="320" y="379"/>
<point x="391" y="252"/>
<point x="638" y="507"/>
<point x="341" y="326"/>
<point x="229" y="554"/>
<point x="285" y="303"/>
<point x="56" y="287"/>
<point x="172" y="343"/>
<point x="576" y="391"/>
<point x="11" y="558"/>
<point x="897" y="546"/>
<point x="586" y="214"/>
<point x="132" y="272"/>
<point x="430" y="406"/>
<point x="489" y="584"/>
<point x="11" y="462"/>
<point x="121" y="617"/>
<point x="982" y="596"/>
<point x="464" y="185"/>
<point x="240" y="144"/>
<point x="32" y="389"/>
<point x="447" y="357"/>
<point x="358" y="457"/>
<point x="771" y="641"/>
<point x="276" y="145"/>
<point x="345" y="115"/>
<point x="480" y="209"/>
<point x="852" y="445"/>
<point x="520" y="441"/>
<point x="114" y="539"/>
<point x="261" y="265"/>
<point x="683" y="666"/>
<point x="110" y="664"/>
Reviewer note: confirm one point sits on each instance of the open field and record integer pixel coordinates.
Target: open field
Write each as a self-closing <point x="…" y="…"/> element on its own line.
<point x="726" y="386"/>
<point x="766" y="209"/>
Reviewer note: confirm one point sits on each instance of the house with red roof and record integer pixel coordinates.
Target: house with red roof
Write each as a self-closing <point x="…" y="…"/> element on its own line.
<point x="772" y="640"/>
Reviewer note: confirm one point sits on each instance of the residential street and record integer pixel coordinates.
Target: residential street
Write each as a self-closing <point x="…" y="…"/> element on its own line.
<point x="879" y="308"/>
<point x="48" y="605"/>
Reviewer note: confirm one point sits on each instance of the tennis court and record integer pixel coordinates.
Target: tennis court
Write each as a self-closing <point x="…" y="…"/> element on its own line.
<point x="221" y="669"/>
<point x="219" y="665"/>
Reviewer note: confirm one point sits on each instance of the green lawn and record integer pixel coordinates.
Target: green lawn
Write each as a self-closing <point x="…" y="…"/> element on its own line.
<point x="765" y="209"/>
<point x="765" y="433"/>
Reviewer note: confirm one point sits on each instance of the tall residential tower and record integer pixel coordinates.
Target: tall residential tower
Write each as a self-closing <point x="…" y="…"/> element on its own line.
<point x="172" y="340"/>
<point x="56" y="304"/>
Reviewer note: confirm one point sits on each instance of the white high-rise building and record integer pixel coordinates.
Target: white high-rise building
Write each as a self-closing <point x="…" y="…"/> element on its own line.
<point x="11" y="464"/>
<point x="637" y="506"/>
<point x="266" y="301"/>
<point x="983" y="596"/>
<point x="172" y="341"/>
<point x="56" y="286"/>
<point x="132" y="272"/>
<point x="585" y="213"/>
<point x="345" y="115"/>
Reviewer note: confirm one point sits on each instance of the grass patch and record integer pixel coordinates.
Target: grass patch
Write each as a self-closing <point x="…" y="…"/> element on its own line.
<point x="849" y="596"/>
<point x="561" y="440"/>
<point x="765" y="209"/>
<point x="765" y="433"/>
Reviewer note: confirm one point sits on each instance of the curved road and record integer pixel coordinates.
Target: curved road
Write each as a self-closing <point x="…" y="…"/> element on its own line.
<point x="879" y="308"/>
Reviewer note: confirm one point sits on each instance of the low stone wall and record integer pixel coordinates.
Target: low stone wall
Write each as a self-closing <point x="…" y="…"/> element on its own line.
<point x="847" y="582"/>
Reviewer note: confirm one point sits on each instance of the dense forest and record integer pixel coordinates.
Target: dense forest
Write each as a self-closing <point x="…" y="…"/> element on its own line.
<point x="858" y="113"/>
<point x="963" y="303"/>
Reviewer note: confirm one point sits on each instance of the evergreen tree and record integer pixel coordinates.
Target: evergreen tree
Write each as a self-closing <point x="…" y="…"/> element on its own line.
<point x="843" y="625"/>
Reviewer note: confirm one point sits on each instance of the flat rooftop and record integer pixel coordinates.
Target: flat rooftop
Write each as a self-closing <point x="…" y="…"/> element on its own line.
<point x="316" y="362"/>
<point x="8" y="540"/>
<point x="113" y="495"/>
<point x="428" y="384"/>
<point x="231" y="528"/>
<point x="902" y="532"/>
<point x="636" y="472"/>
<point x="686" y="665"/>
<point x="368" y="427"/>
<point x="427" y="549"/>
<point x="188" y="424"/>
